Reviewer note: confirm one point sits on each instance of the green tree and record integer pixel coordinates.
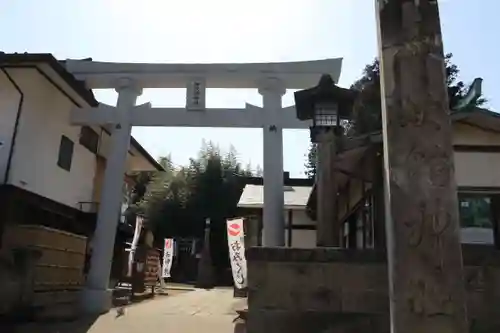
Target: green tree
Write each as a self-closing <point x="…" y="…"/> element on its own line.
<point x="141" y="180"/>
<point x="259" y="172"/>
<point x="311" y="161"/>
<point x="165" y="198"/>
<point x="177" y="201"/>
<point x="367" y="112"/>
<point x="216" y="185"/>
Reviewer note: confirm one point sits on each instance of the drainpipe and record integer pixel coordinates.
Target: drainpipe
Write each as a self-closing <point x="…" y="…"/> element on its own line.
<point x="16" y="123"/>
<point x="20" y="105"/>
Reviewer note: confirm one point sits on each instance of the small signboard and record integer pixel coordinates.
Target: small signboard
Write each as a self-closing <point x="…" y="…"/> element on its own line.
<point x="151" y="268"/>
<point x="195" y="95"/>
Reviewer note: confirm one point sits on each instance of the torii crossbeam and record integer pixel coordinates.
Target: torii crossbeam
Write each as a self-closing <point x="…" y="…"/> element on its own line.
<point x="271" y="80"/>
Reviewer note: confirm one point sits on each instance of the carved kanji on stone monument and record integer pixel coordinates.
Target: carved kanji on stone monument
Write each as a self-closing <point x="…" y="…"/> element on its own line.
<point x="425" y="261"/>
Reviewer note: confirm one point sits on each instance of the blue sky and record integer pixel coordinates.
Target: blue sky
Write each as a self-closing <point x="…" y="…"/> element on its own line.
<point x="235" y="31"/>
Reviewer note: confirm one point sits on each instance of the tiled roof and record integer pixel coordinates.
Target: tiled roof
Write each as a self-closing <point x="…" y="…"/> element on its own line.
<point x="295" y="196"/>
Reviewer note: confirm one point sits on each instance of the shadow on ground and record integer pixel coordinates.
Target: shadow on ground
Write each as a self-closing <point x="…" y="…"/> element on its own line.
<point x="122" y="296"/>
<point x="81" y="325"/>
<point x="78" y="325"/>
<point x="176" y="313"/>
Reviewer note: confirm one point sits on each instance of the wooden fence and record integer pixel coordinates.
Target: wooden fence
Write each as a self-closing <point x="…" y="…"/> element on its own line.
<point x="60" y="266"/>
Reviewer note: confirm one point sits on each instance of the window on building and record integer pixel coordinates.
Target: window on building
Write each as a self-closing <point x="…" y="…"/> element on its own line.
<point x="89" y="139"/>
<point x="65" y="153"/>
<point x="476" y="218"/>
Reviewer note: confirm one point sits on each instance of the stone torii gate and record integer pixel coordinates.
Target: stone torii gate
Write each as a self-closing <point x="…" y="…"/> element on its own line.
<point x="271" y="80"/>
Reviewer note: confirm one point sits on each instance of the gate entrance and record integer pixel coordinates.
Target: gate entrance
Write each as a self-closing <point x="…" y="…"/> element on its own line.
<point x="271" y="79"/>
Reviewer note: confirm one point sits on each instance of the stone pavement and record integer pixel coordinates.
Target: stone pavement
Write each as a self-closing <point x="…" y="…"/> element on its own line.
<point x="207" y="311"/>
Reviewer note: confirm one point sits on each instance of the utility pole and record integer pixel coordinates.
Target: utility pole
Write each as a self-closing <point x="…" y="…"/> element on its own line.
<point x="422" y="222"/>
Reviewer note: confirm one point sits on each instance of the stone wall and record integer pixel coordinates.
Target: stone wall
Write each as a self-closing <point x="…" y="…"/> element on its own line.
<point x="337" y="290"/>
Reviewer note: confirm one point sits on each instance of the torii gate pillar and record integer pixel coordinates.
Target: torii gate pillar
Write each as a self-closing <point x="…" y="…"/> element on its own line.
<point x="272" y="80"/>
<point x="272" y="91"/>
<point x="97" y="296"/>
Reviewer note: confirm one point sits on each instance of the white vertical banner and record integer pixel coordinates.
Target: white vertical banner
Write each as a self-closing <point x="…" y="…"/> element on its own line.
<point x="168" y="255"/>
<point x="160" y="275"/>
<point x="236" y="242"/>
<point x="133" y="246"/>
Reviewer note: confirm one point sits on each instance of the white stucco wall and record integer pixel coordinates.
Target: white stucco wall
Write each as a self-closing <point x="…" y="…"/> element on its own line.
<point x="9" y="100"/>
<point x="477" y="169"/>
<point x="477" y="236"/>
<point x="136" y="161"/>
<point x="44" y="120"/>
<point x="464" y="134"/>
<point x="301" y="238"/>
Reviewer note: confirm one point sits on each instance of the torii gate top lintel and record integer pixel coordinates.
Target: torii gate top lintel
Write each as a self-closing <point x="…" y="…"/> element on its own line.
<point x="294" y="75"/>
<point x="271" y="80"/>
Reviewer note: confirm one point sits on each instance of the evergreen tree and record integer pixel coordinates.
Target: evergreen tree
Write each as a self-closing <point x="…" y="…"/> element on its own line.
<point x="177" y="201"/>
<point x="259" y="172"/>
<point x="311" y="161"/>
<point x="367" y="112"/>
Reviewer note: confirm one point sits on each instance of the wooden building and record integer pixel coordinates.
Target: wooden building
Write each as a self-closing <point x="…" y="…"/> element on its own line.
<point x="347" y="288"/>
<point x="358" y="175"/>
<point x="51" y="172"/>
<point x="300" y="229"/>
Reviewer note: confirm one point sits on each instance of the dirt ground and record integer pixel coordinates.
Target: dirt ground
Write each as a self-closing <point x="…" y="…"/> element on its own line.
<point x="182" y="311"/>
